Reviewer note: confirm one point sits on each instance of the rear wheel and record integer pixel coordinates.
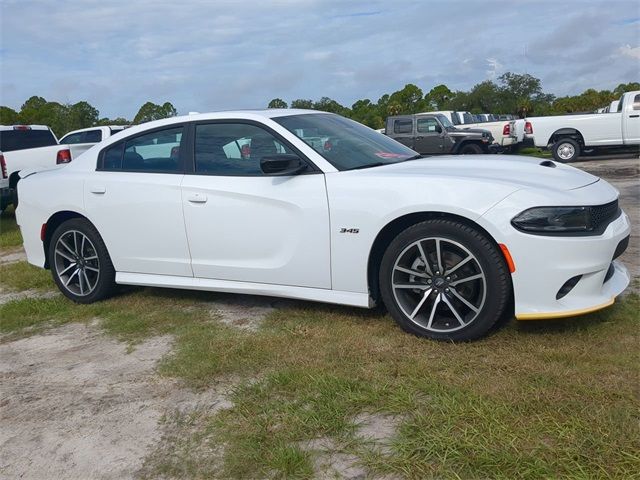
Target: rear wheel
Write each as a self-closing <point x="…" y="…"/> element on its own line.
<point x="566" y="150"/>
<point x="471" y="149"/>
<point x="444" y="280"/>
<point x="80" y="263"/>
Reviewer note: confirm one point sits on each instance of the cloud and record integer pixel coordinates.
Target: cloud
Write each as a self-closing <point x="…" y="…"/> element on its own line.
<point x="629" y="51"/>
<point x="224" y="54"/>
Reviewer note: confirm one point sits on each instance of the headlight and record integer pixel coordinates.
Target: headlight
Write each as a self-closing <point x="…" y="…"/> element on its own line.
<point x="554" y="220"/>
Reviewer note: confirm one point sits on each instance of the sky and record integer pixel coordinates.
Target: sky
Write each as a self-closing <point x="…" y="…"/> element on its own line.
<point x="223" y="54"/>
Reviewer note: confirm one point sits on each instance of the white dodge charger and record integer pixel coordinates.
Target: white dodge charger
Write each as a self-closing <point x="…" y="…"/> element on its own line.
<point x="313" y="206"/>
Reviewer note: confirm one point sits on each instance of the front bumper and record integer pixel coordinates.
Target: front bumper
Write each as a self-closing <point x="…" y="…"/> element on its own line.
<point x="544" y="264"/>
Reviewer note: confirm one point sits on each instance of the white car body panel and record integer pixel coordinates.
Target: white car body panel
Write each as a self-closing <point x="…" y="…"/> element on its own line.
<point x="616" y="128"/>
<point x="310" y="236"/>
<point x="265" y="229"/>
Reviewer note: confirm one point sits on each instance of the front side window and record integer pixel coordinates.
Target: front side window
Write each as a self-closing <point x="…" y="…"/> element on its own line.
<point x="403" y="126"/>
<point x="428" y="125"/>
<point x="158" y="152"/>
<point x="346" y="144"/>
<point x="234" y="149"/>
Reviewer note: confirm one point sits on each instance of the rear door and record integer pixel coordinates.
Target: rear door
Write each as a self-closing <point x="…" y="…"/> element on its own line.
<point x="631" y="120"/>
<point x="402" y="130"/>
<point x="245" y="226"/>
<point x="135" y="200"/>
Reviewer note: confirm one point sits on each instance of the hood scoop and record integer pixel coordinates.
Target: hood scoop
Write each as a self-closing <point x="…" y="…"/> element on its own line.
<point x="548" y="163"/>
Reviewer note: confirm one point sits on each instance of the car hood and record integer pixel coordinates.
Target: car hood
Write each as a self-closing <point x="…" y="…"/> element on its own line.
<point x="518" y="171"/>
<point x="465" y="132"/>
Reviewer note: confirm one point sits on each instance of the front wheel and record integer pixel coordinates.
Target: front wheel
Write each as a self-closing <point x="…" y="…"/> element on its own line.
<point x="444" y="280"/>
<point x="80" y="263"/>
<point x="565" y="150"/>
<point x="471" y="149"/>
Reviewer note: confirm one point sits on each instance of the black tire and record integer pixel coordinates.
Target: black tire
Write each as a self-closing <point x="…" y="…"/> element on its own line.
<point x="566" y="150"/>
<point x="102" y="283"/>
<point x="489" y="295"/>
<point x="471" y="149"/>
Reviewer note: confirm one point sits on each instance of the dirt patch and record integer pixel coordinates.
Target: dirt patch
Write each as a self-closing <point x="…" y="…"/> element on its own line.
<point x="13" y="256"/>
<point x="330" y="461"/>
<point x="76" y="404"/>
<point x="11" y="295"/>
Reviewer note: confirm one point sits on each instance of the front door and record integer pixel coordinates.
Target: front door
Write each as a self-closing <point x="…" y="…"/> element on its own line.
<point x="429" y="139"/>
<point x="631" y="121"/>
<point x="246" y="226"/>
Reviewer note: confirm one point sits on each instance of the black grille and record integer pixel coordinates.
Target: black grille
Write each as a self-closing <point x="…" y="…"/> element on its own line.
<point x="603" y="215"/>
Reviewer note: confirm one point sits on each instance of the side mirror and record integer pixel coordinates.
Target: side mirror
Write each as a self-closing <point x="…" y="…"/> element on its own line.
<point x="438" y="129"/>
<point x="282" y="165"/>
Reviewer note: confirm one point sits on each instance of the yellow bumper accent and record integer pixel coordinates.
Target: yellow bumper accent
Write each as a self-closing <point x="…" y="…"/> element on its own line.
<point x="568" y="313"/>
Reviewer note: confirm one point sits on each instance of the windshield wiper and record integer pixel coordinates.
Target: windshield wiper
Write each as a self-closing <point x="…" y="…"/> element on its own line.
<point x="415" y="157"/>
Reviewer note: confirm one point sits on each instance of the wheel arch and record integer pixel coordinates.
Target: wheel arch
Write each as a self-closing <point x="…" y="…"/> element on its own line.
<point x="52" y="224"/>
<point x="13" y="179"/>
<point x="572" y="133"/>
<point x="464" y="142"/>
<point x="394" y="227"/>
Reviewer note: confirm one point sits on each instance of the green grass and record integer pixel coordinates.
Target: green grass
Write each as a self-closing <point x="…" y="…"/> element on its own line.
<point x="533" y="400"/>
<point x="9" y="231"/>
<point x="534" y="152"/>
<point x="22" y="276"/>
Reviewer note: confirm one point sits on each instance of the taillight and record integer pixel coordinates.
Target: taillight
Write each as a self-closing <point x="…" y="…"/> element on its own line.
<point x="64" y="156"/>
<point x="43" y="232"/>
<point x="506" y="130"/>
<point x="528" y="128"/>
<point x="3" y="166"/>
<point x="22" y="127"/>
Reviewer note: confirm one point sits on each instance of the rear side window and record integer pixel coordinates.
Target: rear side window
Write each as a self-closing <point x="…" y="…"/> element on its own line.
<point x="72" y="139"/>
<point x="157" y="152"/>
<point x="11" y="140"/>
<point x="92" y="136"/>
<point x="403" y="126"/>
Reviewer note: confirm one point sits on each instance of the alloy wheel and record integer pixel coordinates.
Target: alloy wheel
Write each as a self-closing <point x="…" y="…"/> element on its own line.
<point x="76" y="263"/>
<point x="439" y="284"/>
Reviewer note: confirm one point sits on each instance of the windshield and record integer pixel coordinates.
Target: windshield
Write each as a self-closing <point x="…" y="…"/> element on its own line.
<point x="444" y="121"/>
<point x="345" y="144"/>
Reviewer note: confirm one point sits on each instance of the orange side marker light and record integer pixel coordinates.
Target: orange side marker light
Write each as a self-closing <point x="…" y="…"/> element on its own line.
<point x="507" y="257"/>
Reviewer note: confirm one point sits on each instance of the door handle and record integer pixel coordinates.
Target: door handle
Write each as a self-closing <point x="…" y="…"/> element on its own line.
<point x="418" y="138"/>
<point x="634" y="116"/>
<point x="98" y="189"/>
<point x="197" y="198"/>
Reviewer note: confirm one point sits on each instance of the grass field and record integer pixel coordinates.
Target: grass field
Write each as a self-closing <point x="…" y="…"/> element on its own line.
<point x="534" y="400"/>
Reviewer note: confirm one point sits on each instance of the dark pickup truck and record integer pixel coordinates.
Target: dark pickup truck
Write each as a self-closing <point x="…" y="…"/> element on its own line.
<point x="431" y="134"/>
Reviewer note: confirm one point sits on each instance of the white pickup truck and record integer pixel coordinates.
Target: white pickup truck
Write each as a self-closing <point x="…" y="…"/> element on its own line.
<point x="567" y="136"/>
<point x="500" y="130"/>
<point x="27" y="146"/>
<point x="82" y="140"/>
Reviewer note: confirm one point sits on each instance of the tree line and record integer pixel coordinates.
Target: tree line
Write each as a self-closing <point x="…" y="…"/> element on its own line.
<point x="512" y="93"/>
<point x="63" y="118"/>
